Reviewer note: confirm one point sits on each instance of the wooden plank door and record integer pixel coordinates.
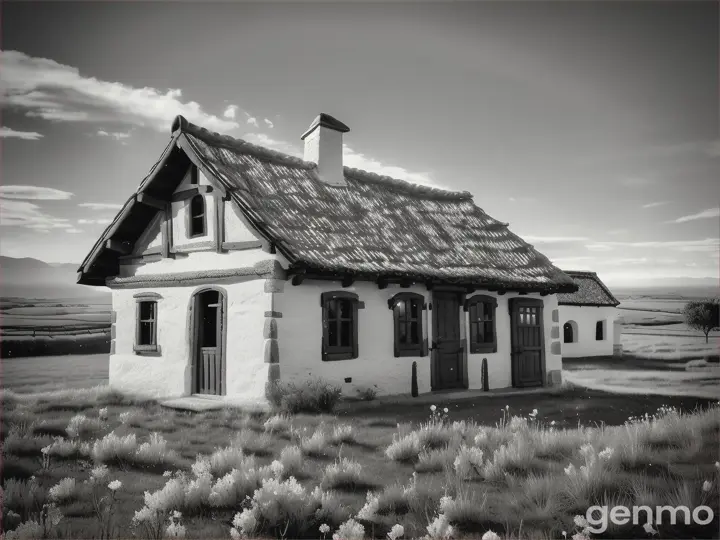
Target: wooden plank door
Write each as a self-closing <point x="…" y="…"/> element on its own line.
<point x="447" y="344"/>
<point x="209" y="365"/>
<point x="527" y="342"/>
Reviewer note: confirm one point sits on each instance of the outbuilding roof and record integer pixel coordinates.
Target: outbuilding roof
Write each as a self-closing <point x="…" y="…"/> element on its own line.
<point x="373" y="227"/>
<point x="591" y="291"/>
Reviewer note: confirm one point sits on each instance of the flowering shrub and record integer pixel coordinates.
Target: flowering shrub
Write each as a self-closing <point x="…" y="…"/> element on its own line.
<point x="41" y="526"/>
<point x="350" y="530"/>
<point x="175" y="528"/>
<point x="224" y="460"/>
<point x="63" y="491"/>
<point x="435" y="460"/>
<point x="154" y="452"/>
<point x="438" y="416"/>
<point x="235" y="486"/>
<point x="314" y="396"/>
<point x="63" y="449"/>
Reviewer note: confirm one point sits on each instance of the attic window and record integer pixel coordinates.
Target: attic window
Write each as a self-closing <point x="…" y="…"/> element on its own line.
<point x="197" y="216"/>
<point x="408" y="323"/>
<point x="340" y="325"/>
<point x="481" y="314"/>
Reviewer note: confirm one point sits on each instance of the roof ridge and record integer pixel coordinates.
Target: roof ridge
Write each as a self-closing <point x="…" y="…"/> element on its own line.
<point x="183" y="125"/>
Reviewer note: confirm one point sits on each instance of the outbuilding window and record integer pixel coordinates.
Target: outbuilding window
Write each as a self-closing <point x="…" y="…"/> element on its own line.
<point x="600" y="331"/>
<point x="196" y="218"/>
<point x="481" y="315"/>
<point x="570" y="332"/>
<point x="408" y="323"/>
<point x="146" y="324"/>
<point x="340" y="325"/>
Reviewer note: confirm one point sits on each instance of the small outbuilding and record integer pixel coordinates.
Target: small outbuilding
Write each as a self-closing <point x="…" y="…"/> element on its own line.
<point x="589" y="316"/>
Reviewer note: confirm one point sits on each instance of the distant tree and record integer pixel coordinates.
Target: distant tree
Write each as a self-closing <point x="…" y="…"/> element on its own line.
<point x="704" y="315"/>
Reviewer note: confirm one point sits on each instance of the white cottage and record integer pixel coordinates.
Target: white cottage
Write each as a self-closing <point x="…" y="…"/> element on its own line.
<point x="591" y="326"/>
<point x="234" y="265"/>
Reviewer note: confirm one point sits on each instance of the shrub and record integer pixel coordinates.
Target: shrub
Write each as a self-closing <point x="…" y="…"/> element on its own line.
<point x="292" y="460"/>
<point x="23" y="496"/>
<point x="345" y="475"/>
<point x="316" y="445"/>
<point x="63" y="491"/>
<point x="469" y="461"/>
<point x="64" y="449"/>
<point x="253" y="443"/>
<point x="313" y="396"/>
<point x="224" y="460"/>
<point x="404" y="448"/>
<point x="350" y="530"/>
<point x="343" y="433"/>
<point x="114" y="449"/>
<point x="81" y="426"/>
<point x="367" y="394"/>
<point x="435" y="460"/>
<point x="280" y="423"/>
<point x="154" y="452"/>
<point x="233" y="488"/>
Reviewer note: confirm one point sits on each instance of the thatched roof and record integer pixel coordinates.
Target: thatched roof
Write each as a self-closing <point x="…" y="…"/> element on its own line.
<point x="374" y="227"/>
<point x="591" y="291"/>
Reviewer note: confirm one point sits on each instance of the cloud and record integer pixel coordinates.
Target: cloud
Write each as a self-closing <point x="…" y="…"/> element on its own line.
<point x="636" y="181"/>
<point x="100" y="206"/>
<point x="704" y="245"/>
<point x="29" y="193"/>
<point x="230" y="112"/>
<point x="117" y="135"/>
<point x="9" y="133"/>
<point x="268" y="123"/>
<point x="275" y="144"/>
<point x="73" y="230"/>
<point x="14" y="213"/>
<point x="357" y="160"/>
<point x="253" y="121"/>
<point x="553" y="239"/>
<point x="567" y="262"/>
<point x="705" y="214"/>
<point x="99" y="221"/>
<point x="654" y="204"/>
<point x="53" y="91"/>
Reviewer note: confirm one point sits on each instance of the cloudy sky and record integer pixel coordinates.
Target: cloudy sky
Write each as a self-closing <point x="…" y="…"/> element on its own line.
<point x="592" y="128"/>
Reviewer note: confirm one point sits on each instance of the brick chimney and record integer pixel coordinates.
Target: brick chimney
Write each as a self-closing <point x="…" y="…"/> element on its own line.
<point x="324" y="146"/>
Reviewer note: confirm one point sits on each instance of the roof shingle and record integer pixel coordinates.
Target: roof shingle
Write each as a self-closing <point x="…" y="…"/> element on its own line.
<point x="591" y="291"/>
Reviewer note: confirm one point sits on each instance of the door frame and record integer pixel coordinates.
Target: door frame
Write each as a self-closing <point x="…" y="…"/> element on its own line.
<point x="526" y="302"/>
<point x="192" y="333"/>
<point x="432" y="328"/>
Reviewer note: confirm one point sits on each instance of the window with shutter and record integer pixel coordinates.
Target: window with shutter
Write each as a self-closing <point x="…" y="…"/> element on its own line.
<point x="408" y="323"/>
<point x="481" y="320"/>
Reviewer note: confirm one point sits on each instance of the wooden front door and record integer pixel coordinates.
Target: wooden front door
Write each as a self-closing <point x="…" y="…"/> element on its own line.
<point x="209" y="361"/>
<point x="447" y="345"/>
<point x="527" y="342"/>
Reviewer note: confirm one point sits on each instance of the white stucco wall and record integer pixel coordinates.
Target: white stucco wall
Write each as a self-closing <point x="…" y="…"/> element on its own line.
<point x="201" y="260"/>
<point x="169" y="374"/>
<point x="235" y="228"/>
<point x="152" y="237"/>
<point x="586" y="317"/>
<point x="300" y="333"/>
<point x="499" y="366"/>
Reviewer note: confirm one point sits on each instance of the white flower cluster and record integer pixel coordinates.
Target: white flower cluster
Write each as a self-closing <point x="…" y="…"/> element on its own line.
<point x="468" y="460"/>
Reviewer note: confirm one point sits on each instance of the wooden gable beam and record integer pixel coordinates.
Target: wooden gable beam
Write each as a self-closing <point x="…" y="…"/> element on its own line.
<point x="152" y="202"/>
<point x="191" y="192"/>
<point x="124" y="248"/>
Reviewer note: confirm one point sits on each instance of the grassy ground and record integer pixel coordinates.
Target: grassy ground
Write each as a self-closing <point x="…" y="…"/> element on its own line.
<point x="45" y="373"/>
<point x="518" y="489"/>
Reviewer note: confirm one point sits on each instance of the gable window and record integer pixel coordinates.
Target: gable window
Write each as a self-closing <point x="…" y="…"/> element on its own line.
<point x="146" y="324"/>
<point x="196" y="219"/>
<point x="481" y="315"/>
<point x="340" y="325"/>
<point x="408" y="323"/>
<point x="599" y="331"/>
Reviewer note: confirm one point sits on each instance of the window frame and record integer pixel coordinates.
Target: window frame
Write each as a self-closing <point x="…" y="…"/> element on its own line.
<point x="481" y="299"/>
<point x="418" y="349"/>
<point x="153" y="348"/>
<point x="332" y="353"/>
<point x="191" y="233"/>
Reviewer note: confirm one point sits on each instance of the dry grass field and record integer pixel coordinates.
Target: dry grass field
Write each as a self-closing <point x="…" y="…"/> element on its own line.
<point x="100" y="465"/>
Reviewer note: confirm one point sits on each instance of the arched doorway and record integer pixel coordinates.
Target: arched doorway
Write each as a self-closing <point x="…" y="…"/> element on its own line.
<point x="207" y="340"/>
<point x="570" y="334"/>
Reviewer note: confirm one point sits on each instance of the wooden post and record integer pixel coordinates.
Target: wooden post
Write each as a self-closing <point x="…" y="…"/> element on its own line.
<point x="414" y="383"/>
<point x="485" y="381"/>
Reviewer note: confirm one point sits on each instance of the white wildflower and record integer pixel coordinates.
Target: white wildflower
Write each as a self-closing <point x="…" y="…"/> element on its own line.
<point x="490" y="535"/>
<point x="324" y="528"/>
<point x="114" y="485"/>
<point x="445" y="410"/>
<point x="580" y="521"/>
<point x="350" y="530"/>
<point x="99" y="473"/>
<point x="433" y="408"/>
<point x="707" y="486"/>
<point x="648" y="528"/>
<point x="606" y="454"/>
<point x="103" y="413"/>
